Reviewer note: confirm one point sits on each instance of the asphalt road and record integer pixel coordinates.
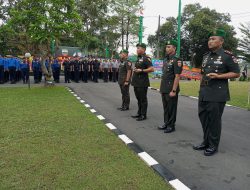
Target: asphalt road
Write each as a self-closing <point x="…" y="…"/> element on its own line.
<point x="229" y="169"/>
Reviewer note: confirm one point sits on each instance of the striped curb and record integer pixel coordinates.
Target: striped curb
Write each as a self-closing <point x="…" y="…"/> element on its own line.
<point x="167" y="175"/>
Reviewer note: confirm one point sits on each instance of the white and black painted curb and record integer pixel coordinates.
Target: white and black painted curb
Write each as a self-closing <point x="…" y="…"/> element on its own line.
<point x="193" y="97"/>
<point x="149" y="160"/>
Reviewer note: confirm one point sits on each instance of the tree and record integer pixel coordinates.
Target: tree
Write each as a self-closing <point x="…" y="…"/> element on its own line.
<point x="244" y="43"/>
<point x="41" y="23"/>
<point x="197" y="23"/>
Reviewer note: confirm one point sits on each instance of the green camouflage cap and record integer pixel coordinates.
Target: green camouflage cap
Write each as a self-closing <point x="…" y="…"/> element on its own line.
<point x="142" y="45"/>
<point x="172" y="42"/>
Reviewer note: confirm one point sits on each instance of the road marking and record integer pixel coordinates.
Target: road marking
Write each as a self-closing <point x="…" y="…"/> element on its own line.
<point x="87" y="105"/>
<point x="93" y="110"/>
<point x="147" y="158"/>
<point x="111" y="126"/>
<point x="125" y="139"/>
<point x="178" y="185"/>
<point x="82" y="101"/>
<point x="100" y="117"/>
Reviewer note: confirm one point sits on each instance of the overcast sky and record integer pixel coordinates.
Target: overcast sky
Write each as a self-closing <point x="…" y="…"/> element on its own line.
<point x="239" y="10"/>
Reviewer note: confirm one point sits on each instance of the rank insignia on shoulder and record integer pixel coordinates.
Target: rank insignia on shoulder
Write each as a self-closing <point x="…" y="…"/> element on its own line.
<point x="235" y="59"/>
<point x="228" y="52"/>
<point x="149" y="58"/>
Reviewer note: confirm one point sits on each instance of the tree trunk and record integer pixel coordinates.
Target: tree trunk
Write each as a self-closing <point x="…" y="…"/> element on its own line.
<point x="127" y="33"/>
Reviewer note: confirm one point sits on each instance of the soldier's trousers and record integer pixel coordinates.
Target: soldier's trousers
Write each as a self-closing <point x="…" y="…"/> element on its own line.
<point x="125" y="96"/>
<point x="85" y="75"/>
<point x="170" y="109"/>
<point x="210" y="114"/>
<point x="66" y="75"/>
<point x="141" y="96"/>
<point x="76" y="75"/>
<point x="105" y="75"/>
<point x="95" y="76"/>
<point x="114" y="71"/>
<point x="1" y="73"/>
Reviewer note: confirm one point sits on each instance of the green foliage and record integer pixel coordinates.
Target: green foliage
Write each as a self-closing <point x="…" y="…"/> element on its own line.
<point x="197" y="23"/>
<point x="244" y="43"/>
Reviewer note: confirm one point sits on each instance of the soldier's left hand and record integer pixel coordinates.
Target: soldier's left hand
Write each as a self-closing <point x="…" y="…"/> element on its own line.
<point x="213" y="75"/>
<point x="172" y="94"/>
<point x="126" y="84"/>
<point x="137" y="70"/>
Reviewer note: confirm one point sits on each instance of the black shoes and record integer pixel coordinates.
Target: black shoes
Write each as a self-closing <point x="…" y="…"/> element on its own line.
<point x="136" y="116"/>
<point x="141" y="118"/>
<point x="124" y="109"/>
<point x="169" y="130"/>
<point x="210" y="151"/>
<point x="120" y="108"/>
<point x="200" y="147"/>
<point x="163" y="127"/>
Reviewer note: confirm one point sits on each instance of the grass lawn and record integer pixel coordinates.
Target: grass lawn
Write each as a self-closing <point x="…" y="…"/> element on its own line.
<point x="238" y="91"/>
<point x="48" y="140"/>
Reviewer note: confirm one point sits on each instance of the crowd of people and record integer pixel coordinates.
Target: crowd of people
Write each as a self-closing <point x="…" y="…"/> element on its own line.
<point x="76" y="69"/>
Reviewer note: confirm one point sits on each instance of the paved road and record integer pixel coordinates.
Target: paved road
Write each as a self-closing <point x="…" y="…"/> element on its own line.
<point x="227" y="170"/>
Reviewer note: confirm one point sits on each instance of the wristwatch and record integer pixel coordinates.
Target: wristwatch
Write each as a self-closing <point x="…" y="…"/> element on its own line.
<point x="174" y="91"/>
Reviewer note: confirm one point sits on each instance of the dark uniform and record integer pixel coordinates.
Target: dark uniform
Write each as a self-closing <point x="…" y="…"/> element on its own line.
<point x="124" y="67"/>
<point x="140" y="81"/>
<point x="171" y="66"/>
<point x="214" y="93"/>
<point x="85" y="66"/>
<point x="96" y="67"/>
<point x="76" y="70"/>
<point x="66" y="65"/>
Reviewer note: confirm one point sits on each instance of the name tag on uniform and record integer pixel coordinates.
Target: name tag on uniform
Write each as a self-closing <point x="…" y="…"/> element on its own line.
<point x="218" y="62"/>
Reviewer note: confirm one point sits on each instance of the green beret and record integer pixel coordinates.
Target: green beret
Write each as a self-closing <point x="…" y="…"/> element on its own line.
<point x="124" y="51"/>
<point x="141" y="45"/>
<point x="218" y="32"/>
<point x="172" y="42"/>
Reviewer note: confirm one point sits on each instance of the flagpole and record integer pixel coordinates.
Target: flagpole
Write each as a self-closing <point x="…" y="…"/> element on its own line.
<point x="141" y="27"/>
<point x="179" y="31"/>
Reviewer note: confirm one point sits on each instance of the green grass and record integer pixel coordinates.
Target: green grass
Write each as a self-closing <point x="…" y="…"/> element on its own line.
<point x="238" y="91"/>
<point x="48" y="140"/>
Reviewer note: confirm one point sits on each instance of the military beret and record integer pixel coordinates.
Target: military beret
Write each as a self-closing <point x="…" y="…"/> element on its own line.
<point x="172" y="42"/>
<point x="218" y="32"/>
<point x="142" y="45"/>
<point x="124" y="51"/>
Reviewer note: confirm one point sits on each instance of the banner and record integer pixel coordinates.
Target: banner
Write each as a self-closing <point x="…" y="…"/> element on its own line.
<point x="188" y="72"/>
<point x="157" y="64"/>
